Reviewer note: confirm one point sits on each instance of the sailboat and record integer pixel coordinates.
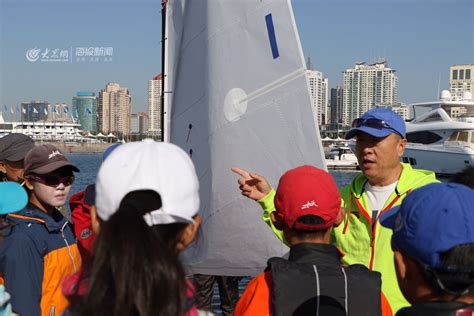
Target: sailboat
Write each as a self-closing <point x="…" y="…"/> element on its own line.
<point x="236" y="94"/>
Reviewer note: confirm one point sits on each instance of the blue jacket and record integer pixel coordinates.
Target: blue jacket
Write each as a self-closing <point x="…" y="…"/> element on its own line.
<point x="35" y="256"/>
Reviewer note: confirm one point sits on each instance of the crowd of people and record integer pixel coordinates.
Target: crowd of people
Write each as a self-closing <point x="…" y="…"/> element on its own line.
<point x="395" y="241"/>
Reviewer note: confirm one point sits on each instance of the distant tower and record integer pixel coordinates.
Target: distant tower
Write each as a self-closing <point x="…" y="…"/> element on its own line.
<point x="319" y="94"/>
<point x="309" y="66"/>
<point x="84" y="105"/>
<point x="154" y="105"/>
<point x="367" y="86"/>
<point x="337" y="97"/>
<point x="115" y="105"/>
<point x="461" y="79"/>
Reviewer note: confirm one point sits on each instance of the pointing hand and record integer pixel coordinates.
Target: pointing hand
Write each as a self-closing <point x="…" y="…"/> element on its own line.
<point x="252" y="185"/>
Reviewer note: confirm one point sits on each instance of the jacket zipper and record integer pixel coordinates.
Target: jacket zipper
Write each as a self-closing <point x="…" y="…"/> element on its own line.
<point x="68" y="248"/>
<point x="373" y="225"/>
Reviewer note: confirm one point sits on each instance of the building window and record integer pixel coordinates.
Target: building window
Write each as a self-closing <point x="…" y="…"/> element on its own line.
<point x="461" y="74"/>
<point x="455" y="74"/>
<point x="468" y="74"/>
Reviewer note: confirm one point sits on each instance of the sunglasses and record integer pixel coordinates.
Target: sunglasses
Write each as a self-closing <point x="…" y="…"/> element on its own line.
<point x="374" y="123"/>
<point x="53" y="180"/>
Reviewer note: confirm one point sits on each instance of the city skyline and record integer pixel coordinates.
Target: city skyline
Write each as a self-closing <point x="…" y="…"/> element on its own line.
<point x="419" y="39"/>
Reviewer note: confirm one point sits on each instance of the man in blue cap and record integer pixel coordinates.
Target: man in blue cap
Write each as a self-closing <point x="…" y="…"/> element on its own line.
<point x="433" y="242"/>
<point x="384" y="182"/>
<point x="13" y="198"/>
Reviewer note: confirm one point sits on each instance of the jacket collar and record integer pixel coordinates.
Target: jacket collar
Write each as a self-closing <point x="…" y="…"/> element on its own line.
<point x="405" y="182"/>
<point x="32" y="214"/>
<point x="322" y="254"/>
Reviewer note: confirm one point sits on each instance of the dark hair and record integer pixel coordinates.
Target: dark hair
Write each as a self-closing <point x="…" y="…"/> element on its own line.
<point x="466" y="177"/>
<point x="456" y="275"/>
<point x="135" y="268"/>
<point x="310" y="220"/>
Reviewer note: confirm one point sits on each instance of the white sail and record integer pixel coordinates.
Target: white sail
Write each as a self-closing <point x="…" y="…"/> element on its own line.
<point x="240" y="97"/>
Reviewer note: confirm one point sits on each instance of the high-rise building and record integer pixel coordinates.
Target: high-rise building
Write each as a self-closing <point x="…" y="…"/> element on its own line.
<point x="35" y="111"/>
<point x="461" y="79"/>
<point x="139" y="123"/>
<point x="319" y="94"/>
<point x="154" y="105"/>
<point x="115" y="105"/>
<point x="337" y="96"/>
<point x="367" y="86"/>
<point x="84" y="107"/>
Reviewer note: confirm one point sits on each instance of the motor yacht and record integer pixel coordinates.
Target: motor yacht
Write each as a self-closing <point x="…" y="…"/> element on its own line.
<point x="441" y="136"/>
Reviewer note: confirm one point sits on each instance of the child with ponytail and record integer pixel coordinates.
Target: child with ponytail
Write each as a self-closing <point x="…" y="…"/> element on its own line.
<point x="146" y="213"/>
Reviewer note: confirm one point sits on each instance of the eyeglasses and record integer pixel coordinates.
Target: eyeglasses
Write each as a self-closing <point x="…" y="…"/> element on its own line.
<point x="53" y="180"/>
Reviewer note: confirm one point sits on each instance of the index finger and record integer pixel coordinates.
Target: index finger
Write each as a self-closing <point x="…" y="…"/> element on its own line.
<point x="241" y="172"/>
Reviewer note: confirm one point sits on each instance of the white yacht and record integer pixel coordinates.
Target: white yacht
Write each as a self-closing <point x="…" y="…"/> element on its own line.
<point x="341" y="157"/>
<point x="441" y="136"/>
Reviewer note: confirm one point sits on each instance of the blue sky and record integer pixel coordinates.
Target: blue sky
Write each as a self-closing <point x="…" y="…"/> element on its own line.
<point x="419" y="38"/>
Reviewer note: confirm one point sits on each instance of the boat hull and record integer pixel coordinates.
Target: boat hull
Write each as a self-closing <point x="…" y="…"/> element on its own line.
<point x="441" y="159"/>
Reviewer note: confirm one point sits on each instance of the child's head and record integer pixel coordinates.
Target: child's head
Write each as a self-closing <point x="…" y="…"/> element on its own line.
<point x="49" y="176"/>
<point x="162" y="172"/>
<point x="13" y="198"/>
<point x="13" y="149"/>
<point x="308" y="204"/>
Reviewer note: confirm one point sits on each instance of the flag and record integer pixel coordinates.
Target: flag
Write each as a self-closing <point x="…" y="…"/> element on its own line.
<point x="23" y="110"/>
<point x="17" y="109"/>
<point x="65" y="109"/>
<point x="30" y="108"/>
<point x="11" y="110"/>
<point x="45" y="111"/>
<point x="35" y="111"/>
<point x="88" y="111"/>
<point x="54" y="109"/>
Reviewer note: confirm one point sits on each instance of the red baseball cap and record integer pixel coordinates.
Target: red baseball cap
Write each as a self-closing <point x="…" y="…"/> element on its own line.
<point x="307" y="190"/>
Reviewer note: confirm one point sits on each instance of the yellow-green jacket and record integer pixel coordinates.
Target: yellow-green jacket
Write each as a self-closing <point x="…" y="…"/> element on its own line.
<point x="361" y="241"/>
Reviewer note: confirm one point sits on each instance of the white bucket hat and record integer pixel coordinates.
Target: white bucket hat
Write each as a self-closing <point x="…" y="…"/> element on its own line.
<point x="162" y="167"/>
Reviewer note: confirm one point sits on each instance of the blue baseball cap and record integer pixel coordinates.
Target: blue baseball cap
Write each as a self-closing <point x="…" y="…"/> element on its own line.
<point x="13" y="197"/>
<point x="379" y="123"/>
<point x="431" y="220"/>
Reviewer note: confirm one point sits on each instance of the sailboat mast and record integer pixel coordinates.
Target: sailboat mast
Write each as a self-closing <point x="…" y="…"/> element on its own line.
<point x="163" y="69"/>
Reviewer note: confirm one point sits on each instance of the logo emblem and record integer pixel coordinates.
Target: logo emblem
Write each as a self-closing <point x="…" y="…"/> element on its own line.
<point x="54" y="154"/>
<point x="309" y="204"/>
<point x="86" y="233"/>
<point x="33" y="54"/>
